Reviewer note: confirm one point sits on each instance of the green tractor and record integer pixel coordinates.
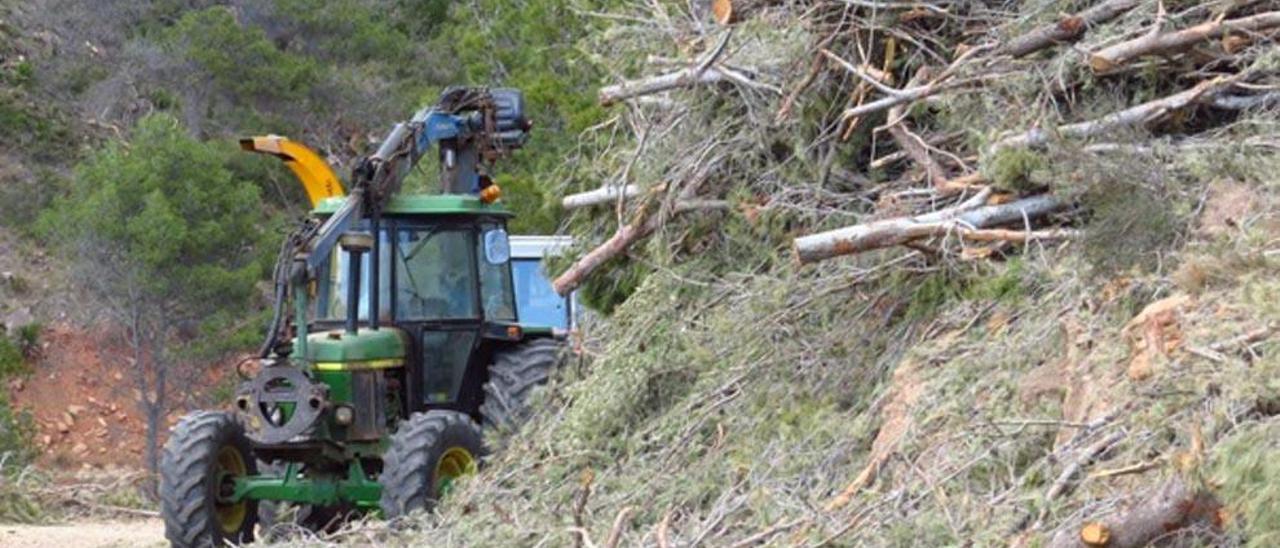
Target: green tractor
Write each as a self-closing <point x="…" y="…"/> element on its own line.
<point x="395" y="341"/>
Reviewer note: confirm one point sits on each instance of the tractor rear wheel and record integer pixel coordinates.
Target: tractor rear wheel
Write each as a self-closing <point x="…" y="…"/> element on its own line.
<point x="206" y="453"/>
<point x="512" y="377"/>
<point x="428" y="452"/>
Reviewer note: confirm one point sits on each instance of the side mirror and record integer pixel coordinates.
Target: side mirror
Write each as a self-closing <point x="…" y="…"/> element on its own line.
<point x="497" y="248"/>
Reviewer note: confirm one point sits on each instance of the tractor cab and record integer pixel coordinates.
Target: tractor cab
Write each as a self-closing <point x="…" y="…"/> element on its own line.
<point x="443" y="264"/>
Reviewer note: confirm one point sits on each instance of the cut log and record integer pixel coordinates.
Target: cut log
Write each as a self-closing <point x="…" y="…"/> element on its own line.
<point x="1132" y="116"/>
<point x="1173" y="507"/>
<point x="1112" y="57"/>
<point x="728" y="12"/>
<point x="599" y="196"/>
<point x="966" y="225"/>
<point x="1068" y="29"/>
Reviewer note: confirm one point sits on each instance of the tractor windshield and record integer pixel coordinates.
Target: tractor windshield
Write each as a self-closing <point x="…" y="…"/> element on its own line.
<point x="434" y="276"/>
<point x="434" y="272"/>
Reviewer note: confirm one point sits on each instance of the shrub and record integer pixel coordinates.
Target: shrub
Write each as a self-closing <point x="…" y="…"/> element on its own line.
<point x="29" y="340"/>
<point x="1016" y="169"/>
<point x="11" y="360"/>
<point x="242" y="61"/>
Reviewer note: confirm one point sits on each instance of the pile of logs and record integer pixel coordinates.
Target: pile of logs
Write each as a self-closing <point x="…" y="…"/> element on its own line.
<point x="859" y="53"/>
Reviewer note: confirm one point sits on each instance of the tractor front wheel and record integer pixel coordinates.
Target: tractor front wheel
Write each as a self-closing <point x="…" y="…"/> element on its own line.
<point x="201" y="461"/>
<point x="428" y="453"/>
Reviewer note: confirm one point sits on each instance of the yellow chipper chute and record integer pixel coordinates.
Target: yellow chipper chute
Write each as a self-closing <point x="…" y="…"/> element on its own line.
<point x="317" y="177"/>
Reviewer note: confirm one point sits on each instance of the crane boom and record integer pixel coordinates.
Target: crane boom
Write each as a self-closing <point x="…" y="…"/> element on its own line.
<point x="472" y="127"/>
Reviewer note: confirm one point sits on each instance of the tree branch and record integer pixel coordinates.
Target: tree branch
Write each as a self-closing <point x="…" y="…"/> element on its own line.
<point x="1112" y="57"/>
<point x="1132" y="116"/>
<point x="1068" y="29"/>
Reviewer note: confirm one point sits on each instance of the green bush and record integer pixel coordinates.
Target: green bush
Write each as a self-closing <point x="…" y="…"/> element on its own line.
<point x="20" y="75"/>
<point x="28" y="339"/>
<point x="11" y="359"/>
<point x="1016" y="169"/>
<point x="25" y="124"/>
<point x="17" y="431"/>
<point x="1130" y="226"/>
<point x="242" y="61"/>
<point x="350" y="30"/>
<point x="17" y="451"/>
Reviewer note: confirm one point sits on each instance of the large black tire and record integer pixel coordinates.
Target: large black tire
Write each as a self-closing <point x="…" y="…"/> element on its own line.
<point x="427" y="453"/>
<point x="206" y="450"/>
<point x="512" y="377"/>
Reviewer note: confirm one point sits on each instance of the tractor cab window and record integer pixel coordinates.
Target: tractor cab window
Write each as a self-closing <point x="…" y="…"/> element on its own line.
<point x="495" y="274"/>
<point x="434" y="277"/>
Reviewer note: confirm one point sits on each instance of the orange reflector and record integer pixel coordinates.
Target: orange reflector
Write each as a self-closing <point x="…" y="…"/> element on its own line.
<point x="490" y="194"/>
<point x="513" y="332"/>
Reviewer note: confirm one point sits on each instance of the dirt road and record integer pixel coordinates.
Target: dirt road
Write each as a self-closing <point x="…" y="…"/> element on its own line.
<point x="114" y="534"/>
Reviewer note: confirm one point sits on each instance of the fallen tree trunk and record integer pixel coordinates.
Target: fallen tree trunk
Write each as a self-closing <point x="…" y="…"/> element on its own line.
<point x="1068" y="29"/>
<point x="1112" y="57"/>
<point x="1173" y="507"/>
<point x="966" y="225"/>
<point x="1140" y="114"/>
<point x="599" y="196"/>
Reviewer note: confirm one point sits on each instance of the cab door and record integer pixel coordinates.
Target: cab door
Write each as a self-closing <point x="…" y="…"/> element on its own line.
<point x="436" y="299"/>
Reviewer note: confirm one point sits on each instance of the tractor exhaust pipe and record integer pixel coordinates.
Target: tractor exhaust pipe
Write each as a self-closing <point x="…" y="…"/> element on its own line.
<point x="356" y="244"/>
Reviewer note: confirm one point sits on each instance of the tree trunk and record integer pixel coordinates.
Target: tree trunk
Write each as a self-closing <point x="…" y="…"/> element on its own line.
<point x="891" y="232"/>
<point x="1068" y="29"/>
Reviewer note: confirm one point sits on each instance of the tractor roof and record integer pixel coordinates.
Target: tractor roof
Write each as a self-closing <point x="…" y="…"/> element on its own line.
<point x="426" y="204"/>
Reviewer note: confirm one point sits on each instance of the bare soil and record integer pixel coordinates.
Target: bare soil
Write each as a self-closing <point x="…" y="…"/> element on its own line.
<point x="134" y="533"/>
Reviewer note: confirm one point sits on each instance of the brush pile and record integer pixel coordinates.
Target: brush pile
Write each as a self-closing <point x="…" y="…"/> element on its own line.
<point x="933" y="273"/>
<point x="873" y="88"/>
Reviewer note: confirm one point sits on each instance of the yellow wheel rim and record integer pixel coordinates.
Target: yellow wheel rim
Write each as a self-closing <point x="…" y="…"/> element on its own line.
<point x="455" y="463"/>
<point x="230" y="465"/>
